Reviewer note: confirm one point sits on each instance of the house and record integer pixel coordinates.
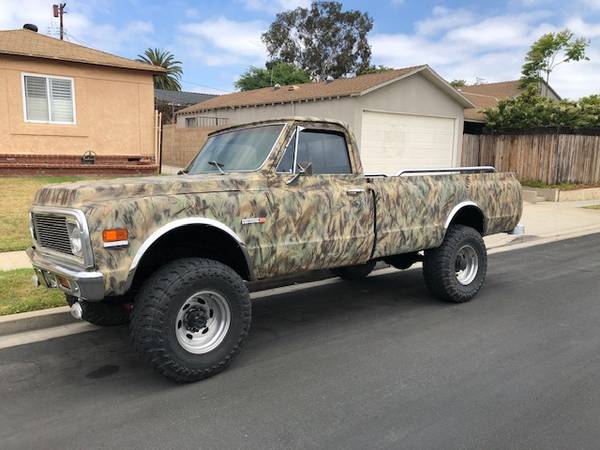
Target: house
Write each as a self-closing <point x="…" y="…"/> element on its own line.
<point x="60" y="101"/>
<point x="169" y="102"/>
<point x="487" y="95"/>
<point x="402" y="118"/>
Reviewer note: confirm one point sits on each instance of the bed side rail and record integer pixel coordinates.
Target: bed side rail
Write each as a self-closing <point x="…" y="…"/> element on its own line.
<point x="473" y="169"/>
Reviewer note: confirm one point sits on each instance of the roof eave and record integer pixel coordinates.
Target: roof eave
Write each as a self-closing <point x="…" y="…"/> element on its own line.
<point x="154" y="69"/>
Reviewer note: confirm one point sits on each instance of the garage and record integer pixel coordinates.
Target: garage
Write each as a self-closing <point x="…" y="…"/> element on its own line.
<point x="394" y="141"/>
<point x="401" y="118"/>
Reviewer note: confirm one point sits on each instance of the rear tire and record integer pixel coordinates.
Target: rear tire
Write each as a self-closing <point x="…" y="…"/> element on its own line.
<point x="191" y="318"/>
<point x="456" y="270"/>
<point x="357" y="272"/>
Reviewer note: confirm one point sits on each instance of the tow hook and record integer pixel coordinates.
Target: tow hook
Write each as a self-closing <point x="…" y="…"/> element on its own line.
<point x="77" y="311"/>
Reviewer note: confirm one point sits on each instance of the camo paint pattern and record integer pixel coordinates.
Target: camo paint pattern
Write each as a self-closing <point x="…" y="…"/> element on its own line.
<point x="311" y="224"/>
<point x="412" y="210"/>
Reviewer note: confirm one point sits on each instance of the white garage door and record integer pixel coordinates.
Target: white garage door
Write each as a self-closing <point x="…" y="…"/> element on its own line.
<point x="390" y="142"/>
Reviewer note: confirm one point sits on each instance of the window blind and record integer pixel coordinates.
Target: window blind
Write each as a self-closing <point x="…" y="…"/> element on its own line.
<point x="49" y="99"/>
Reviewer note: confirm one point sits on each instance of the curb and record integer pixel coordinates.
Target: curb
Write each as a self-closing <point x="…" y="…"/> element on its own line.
<point x="54" y="317"/>
<point x="34" y="320"/>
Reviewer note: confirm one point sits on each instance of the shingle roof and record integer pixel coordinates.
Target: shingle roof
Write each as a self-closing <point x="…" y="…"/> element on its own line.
<point x="341" y="87"/>
<point x="181" y="98"/>
<point x="29" y="43"/>
<point x="487" y="95"/>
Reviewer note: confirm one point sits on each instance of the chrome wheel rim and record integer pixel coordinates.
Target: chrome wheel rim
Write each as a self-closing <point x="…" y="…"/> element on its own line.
<point x="466" y="265"/>
<point x="203" y="322"/>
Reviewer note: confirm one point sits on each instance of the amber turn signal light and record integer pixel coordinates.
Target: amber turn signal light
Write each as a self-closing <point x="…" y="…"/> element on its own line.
<point x="115" y="234"/>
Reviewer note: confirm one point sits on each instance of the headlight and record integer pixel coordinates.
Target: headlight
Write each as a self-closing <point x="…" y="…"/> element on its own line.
<point x="75" y="238"/>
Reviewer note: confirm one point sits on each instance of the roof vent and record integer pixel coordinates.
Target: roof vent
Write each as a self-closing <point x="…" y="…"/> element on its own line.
<point x="30" y="27"/>
<point x="276" y="87"/>
<point x="329" y="79"/>
<point x="293" y="88"/>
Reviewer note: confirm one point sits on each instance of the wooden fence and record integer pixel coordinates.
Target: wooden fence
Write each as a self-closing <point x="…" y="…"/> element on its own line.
<point x="180" y="145"/>
<point x="551" y="158"/>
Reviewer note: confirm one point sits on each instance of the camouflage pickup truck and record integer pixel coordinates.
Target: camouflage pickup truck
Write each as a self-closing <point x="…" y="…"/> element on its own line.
<point x="172" y="255"/>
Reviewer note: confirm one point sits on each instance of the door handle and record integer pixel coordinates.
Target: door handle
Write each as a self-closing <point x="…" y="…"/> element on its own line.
<point x="355" y="191"/>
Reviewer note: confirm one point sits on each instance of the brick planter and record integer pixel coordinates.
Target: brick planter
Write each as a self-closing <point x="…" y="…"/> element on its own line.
<point x="17" y="165"/>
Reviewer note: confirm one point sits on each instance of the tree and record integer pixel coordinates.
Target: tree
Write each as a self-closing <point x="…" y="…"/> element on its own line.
<point x="168" y="80"/>
<point x="532" y="110"/>
<point x="374" y="69"/>
<point x="458" y="83"/>
<point x="549" y="51"/>
<point x="274" y="73"/>
<point x="322" y="40"/>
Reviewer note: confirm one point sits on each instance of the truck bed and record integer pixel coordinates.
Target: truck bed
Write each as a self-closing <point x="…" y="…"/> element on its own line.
<point x="412" y="211"/>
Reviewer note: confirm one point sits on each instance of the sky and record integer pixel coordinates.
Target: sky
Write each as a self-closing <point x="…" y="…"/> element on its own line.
<point x="217" y="40"/>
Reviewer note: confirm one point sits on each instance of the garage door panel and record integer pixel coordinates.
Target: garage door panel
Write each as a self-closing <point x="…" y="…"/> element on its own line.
<point x="391" y="142"/>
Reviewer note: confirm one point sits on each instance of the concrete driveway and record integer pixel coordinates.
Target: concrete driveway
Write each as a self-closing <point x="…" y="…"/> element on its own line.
<point x="371" y="364"/>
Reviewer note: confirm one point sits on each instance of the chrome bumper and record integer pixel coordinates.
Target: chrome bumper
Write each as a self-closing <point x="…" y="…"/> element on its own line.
<point x="74" y="281"/>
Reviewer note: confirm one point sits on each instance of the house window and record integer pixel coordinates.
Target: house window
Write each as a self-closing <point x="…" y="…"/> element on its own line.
<point x="48" y="99"/>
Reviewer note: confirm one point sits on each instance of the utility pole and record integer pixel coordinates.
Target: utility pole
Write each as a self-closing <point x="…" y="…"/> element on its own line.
<point x="59" y="10"/>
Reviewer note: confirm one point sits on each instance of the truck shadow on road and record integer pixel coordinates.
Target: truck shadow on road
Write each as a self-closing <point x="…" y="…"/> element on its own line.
<point x="283" y="324"/>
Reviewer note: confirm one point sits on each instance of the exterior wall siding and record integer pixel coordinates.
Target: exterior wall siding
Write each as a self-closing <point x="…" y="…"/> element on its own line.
<point x="114" y="111"/>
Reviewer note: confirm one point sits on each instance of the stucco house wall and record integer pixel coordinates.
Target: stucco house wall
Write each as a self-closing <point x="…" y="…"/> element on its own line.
<point x="114" y="110"/>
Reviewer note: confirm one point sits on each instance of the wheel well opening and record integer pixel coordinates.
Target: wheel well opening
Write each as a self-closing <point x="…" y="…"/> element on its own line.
<point x="470" y="216"/>
<point x="200" y="241"/>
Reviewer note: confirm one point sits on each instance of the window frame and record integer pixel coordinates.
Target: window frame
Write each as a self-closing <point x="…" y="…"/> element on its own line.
<point x="243" y="127"/>
<point x="48" y="96"/>
<point x="296" y="136"/>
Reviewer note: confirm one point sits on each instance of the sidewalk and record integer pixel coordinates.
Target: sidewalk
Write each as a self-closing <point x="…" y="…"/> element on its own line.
<point x="547" y="219"/>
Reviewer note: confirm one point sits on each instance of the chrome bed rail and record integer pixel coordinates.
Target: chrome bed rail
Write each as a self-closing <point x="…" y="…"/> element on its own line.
<point x="473" y="169"/>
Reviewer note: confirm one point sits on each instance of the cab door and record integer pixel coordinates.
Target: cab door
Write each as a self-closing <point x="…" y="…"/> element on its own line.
<point x="322" y="218"/>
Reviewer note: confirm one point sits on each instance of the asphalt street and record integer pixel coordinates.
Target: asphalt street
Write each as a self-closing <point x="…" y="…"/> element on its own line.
<point x="370" y="364"/>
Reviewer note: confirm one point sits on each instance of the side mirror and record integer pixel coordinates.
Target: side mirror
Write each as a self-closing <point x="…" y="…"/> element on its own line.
<point x="304" y="168"/>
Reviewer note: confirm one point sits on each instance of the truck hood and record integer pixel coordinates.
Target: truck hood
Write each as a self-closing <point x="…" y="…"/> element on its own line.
<point x="86" y="192"/>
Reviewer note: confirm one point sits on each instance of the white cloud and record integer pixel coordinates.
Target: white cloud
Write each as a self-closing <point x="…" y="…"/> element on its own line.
<point x="275" y="6"/>
<point x="222" y="41"/>
<point x="490" y="47"/>
<point x="443" y="19"/>
<point x="80" y="25"/>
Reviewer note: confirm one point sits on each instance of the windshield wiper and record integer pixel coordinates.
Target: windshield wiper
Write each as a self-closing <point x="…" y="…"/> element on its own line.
<point x="218" y="165"/>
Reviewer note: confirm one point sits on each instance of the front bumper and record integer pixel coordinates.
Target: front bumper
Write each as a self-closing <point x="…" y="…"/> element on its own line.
<point x="80" y="283"/>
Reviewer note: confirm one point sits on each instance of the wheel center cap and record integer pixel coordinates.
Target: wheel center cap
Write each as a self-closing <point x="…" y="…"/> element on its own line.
<point x="194" y="319"/>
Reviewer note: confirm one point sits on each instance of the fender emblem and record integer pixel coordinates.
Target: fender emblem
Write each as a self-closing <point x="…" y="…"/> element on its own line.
<point x="249" y="220"/>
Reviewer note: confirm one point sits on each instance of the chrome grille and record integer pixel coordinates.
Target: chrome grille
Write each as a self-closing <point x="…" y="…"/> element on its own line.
<point x="51" y="232"/>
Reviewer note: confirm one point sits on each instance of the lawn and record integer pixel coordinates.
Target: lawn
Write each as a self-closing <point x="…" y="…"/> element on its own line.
<point x="17" y="194"/>
<point x="592" y="207"/>
<point x="17" y="293"/>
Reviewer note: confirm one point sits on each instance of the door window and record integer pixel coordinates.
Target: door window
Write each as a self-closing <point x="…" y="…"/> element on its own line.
<point x="326" y="150"/>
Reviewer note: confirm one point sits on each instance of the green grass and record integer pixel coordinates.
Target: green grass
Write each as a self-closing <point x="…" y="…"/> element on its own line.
<point x="16" y="195"/>
<point x="592" y="207"/>
<point x="17" y="293"/>
<point x="560" y="186"/>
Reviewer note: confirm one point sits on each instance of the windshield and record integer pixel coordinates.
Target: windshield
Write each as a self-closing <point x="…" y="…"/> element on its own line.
<point x="234" y="151"/>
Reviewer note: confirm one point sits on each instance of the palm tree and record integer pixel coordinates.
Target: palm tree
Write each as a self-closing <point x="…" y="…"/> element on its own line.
<point x="168" y="80"/>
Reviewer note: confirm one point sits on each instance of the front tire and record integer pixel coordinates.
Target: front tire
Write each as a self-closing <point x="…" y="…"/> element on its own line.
<point x="456" y="270"/>
<point x="191" y="318"/>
